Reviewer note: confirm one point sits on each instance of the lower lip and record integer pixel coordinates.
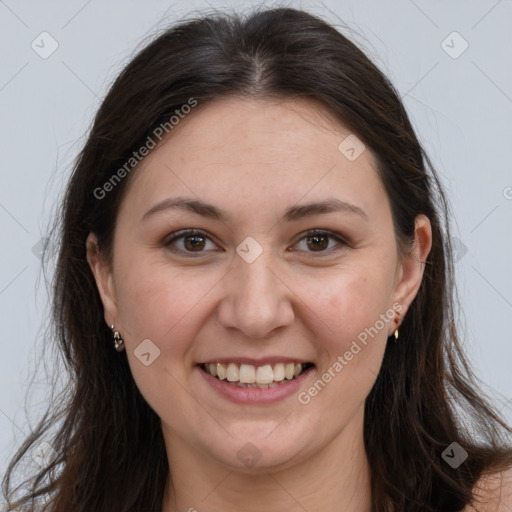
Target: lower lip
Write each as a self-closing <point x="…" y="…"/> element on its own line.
<point x="255" y="395"/>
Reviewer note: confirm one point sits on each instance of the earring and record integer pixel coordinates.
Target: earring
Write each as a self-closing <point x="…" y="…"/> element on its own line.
<point x="396" y="330"/>
<point x="118" y="341"/>
<point x="396" y="334"/>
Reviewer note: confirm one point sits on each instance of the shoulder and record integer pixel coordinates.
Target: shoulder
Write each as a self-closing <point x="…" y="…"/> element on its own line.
<point x="493" y="493"/>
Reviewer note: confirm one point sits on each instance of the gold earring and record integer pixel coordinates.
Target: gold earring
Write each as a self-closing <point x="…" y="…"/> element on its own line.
<point x="397" y="326"/>
<point x="118" y="341"/>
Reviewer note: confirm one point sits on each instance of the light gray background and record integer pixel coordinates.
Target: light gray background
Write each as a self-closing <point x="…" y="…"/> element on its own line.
<point x="461" y="108"/>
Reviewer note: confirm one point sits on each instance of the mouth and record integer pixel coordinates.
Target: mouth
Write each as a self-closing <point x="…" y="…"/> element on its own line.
<point x="256" y="376"/>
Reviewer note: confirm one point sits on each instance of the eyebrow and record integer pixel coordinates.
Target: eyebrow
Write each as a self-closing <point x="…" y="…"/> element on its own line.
<point x="293" y="213"/>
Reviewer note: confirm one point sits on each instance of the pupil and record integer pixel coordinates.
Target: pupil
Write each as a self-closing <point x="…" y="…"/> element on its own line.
<point x="316" y="238"/>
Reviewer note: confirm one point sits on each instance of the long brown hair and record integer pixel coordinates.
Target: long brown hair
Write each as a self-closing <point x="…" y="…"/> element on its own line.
<point x="109" y="444"/>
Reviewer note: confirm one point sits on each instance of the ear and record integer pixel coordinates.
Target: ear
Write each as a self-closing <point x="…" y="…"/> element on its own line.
<point x="412" y="266"/>
<point x="104" y="279"/>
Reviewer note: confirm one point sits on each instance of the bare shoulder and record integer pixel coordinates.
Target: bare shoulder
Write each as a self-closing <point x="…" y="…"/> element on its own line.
<point x="493" y="493"/>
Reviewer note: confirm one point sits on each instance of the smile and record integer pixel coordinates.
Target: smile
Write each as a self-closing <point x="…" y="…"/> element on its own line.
<point x="252" y="376"/>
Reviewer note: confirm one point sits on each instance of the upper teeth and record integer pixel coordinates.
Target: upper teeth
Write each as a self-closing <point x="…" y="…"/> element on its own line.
<point x="249" y="374"/>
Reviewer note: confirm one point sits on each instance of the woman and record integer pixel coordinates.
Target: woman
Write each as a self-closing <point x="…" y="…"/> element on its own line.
<point x="254" y="292"/>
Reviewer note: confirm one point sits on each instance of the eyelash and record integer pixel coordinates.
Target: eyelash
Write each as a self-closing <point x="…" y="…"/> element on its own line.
<point x="194" y="232"/>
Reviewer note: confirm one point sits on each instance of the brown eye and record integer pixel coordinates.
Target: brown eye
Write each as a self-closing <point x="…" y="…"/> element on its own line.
<point x="188" y="241"/>
<point x="318" y="241"/>
<point x="194" y="242"/>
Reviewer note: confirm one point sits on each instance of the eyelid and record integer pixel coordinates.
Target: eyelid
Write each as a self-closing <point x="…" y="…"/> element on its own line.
<point x="178" y="235"/>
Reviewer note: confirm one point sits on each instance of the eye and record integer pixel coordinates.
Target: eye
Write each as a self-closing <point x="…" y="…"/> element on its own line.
<point x="318" y="240"/>
<point x="194" y="241"/>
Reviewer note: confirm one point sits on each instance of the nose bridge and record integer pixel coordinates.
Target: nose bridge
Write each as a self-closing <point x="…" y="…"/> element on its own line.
<point x="258" y="301"/>
<point x="256" y="280"/>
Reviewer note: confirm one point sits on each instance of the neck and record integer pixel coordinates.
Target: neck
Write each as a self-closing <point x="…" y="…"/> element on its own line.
<point x="336" y="478"/>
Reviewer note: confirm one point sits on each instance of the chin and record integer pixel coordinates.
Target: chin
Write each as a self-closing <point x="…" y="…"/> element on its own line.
<point x="260" y="452"/>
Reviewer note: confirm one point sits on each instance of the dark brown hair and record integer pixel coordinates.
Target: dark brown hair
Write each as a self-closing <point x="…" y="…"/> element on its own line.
<point x="109" y="444"/>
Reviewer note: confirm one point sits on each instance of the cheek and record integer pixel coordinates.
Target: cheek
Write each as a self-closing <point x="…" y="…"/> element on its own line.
<point x="155" y="301"/>
<point x="349" y="302"/>
<point x="161" y="304"/>
<point x="355" y="316"/>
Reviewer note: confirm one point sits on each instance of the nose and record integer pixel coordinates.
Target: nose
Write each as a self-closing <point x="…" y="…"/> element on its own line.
<point x="256" y="299"/>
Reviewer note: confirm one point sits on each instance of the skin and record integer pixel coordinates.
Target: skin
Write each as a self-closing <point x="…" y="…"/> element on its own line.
<point x="254" y="158"/>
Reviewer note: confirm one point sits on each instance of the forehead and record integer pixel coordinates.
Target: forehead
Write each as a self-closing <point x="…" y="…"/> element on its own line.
<point x="259" y="128"/>
<point x="254" y="151"/>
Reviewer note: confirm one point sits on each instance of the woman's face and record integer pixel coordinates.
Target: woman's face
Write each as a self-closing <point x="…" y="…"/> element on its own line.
<point x="251" y="289"/>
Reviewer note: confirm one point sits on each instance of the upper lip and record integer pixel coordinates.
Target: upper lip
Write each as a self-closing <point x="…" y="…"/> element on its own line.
<point x="257" y="362"/>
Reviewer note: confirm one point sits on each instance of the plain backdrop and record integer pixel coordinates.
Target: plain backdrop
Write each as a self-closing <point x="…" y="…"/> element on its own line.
<point x="450" y="61"/>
